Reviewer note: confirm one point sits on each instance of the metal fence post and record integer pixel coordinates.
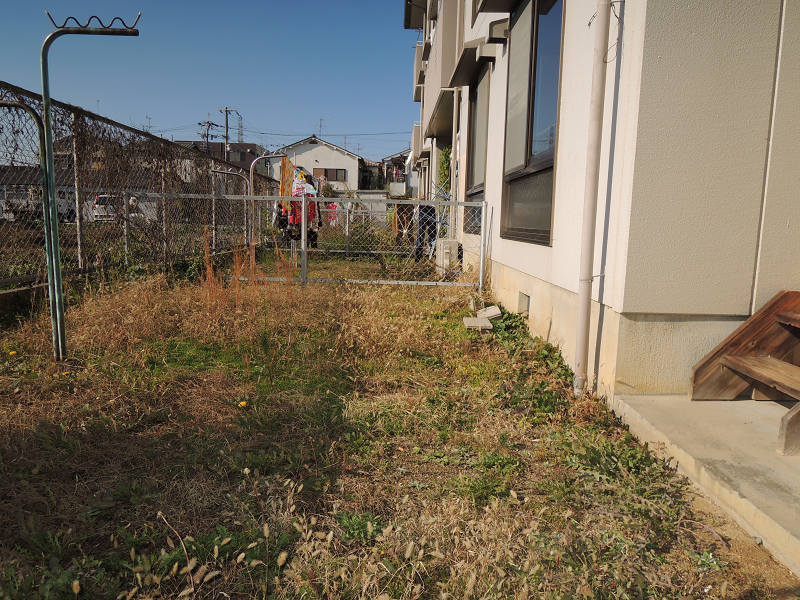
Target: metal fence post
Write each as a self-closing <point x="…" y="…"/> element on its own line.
<point x="213" y="208"/>
<point x="126" y="225"/>
<point x="244" y="221"/>
<point x="78" y="202"/>
<point x="482" y="259"/>
<point x="164" y="210"/>
<point x="260" y="218"/>
<point x="50" y="208"/>
<point x="347" y="227"/>
<point x="304" y="241"/>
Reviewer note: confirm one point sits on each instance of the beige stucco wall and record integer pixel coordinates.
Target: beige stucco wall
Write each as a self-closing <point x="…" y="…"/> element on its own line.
<point x="704" y="113"/>
<point x="633" y="354"/>
<point x="778" y="265"/>
<point x="320" y="156"/>
<point x="657" y="352"/>
<point x="551" y="317"/>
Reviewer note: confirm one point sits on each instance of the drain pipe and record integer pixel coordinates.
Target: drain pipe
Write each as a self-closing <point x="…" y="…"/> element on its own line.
<point x="601" y="22"/>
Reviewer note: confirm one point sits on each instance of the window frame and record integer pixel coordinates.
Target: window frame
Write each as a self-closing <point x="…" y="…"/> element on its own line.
<point x="475" y="193"/>
<point x="531" y="166"/>
<point x="473" y="89"/>
<point x="325" y="174"/>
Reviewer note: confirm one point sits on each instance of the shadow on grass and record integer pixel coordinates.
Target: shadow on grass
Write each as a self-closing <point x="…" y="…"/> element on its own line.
<point x="79" y="501"/>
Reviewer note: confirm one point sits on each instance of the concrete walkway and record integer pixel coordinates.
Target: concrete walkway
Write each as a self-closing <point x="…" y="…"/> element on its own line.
<point x="728" y="448"/>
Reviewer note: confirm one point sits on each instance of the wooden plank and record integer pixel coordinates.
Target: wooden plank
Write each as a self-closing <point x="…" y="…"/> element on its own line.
<point x="789" y="432"/>
<point x="791" y="319"/>
<point x="764" y="392"/>
<point x="776" y="374"/>
<point x="760" y="335"/>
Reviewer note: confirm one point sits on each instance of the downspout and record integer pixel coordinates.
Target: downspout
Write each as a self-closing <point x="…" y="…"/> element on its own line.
<point x="600" y="21"/>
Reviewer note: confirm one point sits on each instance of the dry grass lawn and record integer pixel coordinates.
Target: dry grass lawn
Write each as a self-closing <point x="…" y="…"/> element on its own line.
<point x="335" y="442"/>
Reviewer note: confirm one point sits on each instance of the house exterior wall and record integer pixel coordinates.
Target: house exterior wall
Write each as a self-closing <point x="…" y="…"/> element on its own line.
<point x="698" y="220"/>
<point x="777" y="264"/>
<point x="549" y="274"/>
<point x="321" y="156"/>
<point x="704" y="117"/>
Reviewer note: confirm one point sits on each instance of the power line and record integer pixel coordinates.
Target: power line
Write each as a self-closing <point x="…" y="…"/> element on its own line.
<point x="305" y="134"/>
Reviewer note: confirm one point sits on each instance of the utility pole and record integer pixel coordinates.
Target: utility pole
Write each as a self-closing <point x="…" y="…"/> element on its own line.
<point x="208" y="125"/>
<point x="227" y="110"/>
<point x="149" y="126"/>
<point x="319" y="127"/>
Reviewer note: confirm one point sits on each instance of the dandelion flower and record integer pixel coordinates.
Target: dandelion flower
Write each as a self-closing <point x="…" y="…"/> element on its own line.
<point x="243" y="403"/>
<point x="12" y="353"/>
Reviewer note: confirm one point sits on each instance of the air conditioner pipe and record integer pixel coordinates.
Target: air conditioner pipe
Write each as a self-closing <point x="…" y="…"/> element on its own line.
<point x="600" y="22"/>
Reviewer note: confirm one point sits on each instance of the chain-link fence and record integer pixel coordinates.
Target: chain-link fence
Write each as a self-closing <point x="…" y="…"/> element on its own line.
<point x="125" y="199"/>
<point x="369" y="241"/>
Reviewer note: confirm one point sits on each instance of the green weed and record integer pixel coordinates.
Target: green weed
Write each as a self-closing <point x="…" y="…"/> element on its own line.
<point x="362" y="527"/>
<point x="480" y="489"/>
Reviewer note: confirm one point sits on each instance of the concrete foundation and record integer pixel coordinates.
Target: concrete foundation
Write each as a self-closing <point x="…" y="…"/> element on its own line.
<point x="728" y="449"/>
<point x="629" y="353"/>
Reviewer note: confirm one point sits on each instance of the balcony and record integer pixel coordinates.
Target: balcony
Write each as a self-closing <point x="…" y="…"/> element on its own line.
<point x="495" y="5"/>
<point x="413" y="15"/>
<point x="416" y="142"/>
<point x="425" y="150"/>
<point x="437" y="108"/>
<point x="419" y="65"/>
<point x="485" y="47"/>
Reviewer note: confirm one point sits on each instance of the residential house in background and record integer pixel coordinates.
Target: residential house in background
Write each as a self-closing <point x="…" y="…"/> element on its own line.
<point x="396" y="172"/>
<point x="371" y="176"/>
<point x="343" y="169"/>
<point x="682" y="167"/>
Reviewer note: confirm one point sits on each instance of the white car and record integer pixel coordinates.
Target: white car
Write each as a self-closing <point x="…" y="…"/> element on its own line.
<point x="104" y="208"/>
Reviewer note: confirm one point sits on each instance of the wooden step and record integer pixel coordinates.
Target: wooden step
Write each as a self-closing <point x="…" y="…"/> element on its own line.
<point x="791" y="319"/>
<point x="760" y="335"/>
<point x="782" y="380"/>
<point x="774" y="373"/>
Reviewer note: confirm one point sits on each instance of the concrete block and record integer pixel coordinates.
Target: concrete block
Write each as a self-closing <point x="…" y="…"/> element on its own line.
<point x="479" y="323"/>
<point x="490" y="312"/>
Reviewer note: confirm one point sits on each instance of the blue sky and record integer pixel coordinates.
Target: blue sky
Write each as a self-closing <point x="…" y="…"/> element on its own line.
<point x="283" y="65"/>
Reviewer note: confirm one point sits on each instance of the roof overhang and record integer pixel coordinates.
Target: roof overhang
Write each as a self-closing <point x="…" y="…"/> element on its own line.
<point x="440" y="124"/>
<point x="413" y="15"/>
